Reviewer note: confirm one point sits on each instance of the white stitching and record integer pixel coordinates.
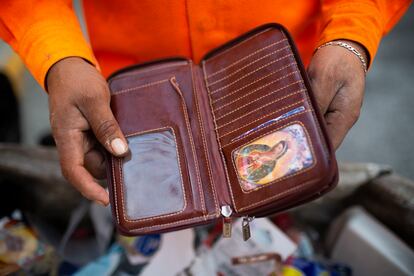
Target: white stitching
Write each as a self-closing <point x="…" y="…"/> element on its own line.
<point x="114" y="186"/>
<point x="246" y="57"/>
<point x="146" y="70"/>
<point x="247" y="65"/>
<point x="261" y="107"/>
<point x="122" y="91"/>
<point x="261" y="87"/>
<point x="251" y="83"/>
<point x="235" y="46"/>
<point x="187" y="121"/>
<point x="174" y="223"/>
<point x="203" y="138"/>
<point x="267" y="115"/>
<point x="215" y="130"/>
<point x="250" y="73"/>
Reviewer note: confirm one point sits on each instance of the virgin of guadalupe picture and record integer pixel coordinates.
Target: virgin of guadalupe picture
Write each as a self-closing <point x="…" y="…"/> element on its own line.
<point x="276" y="155"/>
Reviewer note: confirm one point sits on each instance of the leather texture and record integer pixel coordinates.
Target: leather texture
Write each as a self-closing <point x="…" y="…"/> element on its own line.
<point x="247" y="90"/>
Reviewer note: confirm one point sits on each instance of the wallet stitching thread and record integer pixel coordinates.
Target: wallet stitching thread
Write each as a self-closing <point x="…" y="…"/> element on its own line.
<point x="197" y="218"/>
<point x="249" y="64"/>
<point x="280" y="179"/>
<point x="235" y="46"/>
<point x="267" y="115"/>
<point x="123" y="91"/>
<point x="253" y="82"/>
<point x="181" y="176"/>
<point x="114" y="186"/>
<point x="144" y="70"/>
<point x="187" y="122"/>
<point x="204" y="140"/>
<point x="250" y="73"/>
<point x="215" y="130"/>
<point x="255" y="90"/>
<point x="259" y="108"/>
<point x="246" y="57"/>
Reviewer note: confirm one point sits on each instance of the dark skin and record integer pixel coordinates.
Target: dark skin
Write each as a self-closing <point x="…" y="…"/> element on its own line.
<point x="82" y="121"/>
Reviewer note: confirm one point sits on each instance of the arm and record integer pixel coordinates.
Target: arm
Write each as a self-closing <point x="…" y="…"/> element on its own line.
<point x="47" y="36"/>
<point x="336" y="73"/>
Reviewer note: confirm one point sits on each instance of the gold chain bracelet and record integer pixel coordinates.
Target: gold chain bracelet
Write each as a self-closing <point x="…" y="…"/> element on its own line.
<point x="349" y="48"/>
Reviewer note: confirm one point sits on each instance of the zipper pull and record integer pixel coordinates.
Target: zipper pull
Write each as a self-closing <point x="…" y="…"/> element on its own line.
<point x="226" y="212"/>
<point x="246" y="227"/>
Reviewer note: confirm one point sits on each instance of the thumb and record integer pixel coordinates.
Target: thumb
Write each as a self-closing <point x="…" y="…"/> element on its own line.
<point x="105" y="127"/>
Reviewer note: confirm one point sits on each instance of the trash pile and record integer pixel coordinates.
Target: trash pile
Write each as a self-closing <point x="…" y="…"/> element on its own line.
<point x="363" y="227"/>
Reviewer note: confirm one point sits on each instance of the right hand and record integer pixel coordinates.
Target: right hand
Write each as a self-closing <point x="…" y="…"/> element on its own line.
<point x="81" y="119"/>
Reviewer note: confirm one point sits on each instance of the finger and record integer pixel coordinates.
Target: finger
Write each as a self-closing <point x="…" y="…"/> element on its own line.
<point x="342" y="114"/>
<point x="95" y="163"/>
<point x="70" y="147"/>
<point x="104" y="125"/>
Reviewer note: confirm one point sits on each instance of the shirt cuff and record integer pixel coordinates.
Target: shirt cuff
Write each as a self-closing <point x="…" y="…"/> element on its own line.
<point x="359" y="22"/>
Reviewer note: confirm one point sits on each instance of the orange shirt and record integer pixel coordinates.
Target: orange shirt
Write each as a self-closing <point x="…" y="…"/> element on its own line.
<point x="126" y="32"/>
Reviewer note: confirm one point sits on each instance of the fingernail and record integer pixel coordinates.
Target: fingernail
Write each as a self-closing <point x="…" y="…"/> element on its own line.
<point x="100" y="203"/>
<point x="118" y="146"/>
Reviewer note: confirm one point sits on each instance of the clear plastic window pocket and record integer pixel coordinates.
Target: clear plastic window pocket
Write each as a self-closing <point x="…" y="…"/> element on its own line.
<point x="272" y="157"/>
<point x="152" y="178"/>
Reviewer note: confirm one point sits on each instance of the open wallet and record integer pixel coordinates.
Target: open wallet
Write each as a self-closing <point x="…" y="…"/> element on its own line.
<point x="238" y="135"/>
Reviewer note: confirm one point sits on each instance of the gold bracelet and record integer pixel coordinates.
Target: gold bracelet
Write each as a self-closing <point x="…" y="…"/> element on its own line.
<point x="349" y="48"/>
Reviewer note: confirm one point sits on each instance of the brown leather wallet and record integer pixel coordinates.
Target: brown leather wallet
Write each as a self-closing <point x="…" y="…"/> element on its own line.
<point x="238" y="135"/>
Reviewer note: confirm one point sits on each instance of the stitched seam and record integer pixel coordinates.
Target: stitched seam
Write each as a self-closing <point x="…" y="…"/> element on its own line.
<point x="250" y="73"/>
<point x="246" y="57"/>
<point x="261" y="107"/>
<point x="174" y="223"/>
<point x="284" y="177"/>
<point x="249" y="64"/>
<point x="278" y="195"/>
<point x="255" y="90"/>
<point x="114" y="186"/>
<point x="204" y="139"/>
<point x="234" y="46"/>
<point x="218" y="140"/>
<point x="267" y="115"/>
<point x="187" y="122"/>
<point x="181" y="176"/>
<point x="145" y="70"/>
<point x="253" y="82"/>
<point x="123" y="91"/>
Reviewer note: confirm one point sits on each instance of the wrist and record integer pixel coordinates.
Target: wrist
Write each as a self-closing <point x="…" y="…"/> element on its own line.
<point x="356" y="49"/>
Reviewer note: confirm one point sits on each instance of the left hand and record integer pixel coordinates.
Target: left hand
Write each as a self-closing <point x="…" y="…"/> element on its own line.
<point x="338" y="81"/>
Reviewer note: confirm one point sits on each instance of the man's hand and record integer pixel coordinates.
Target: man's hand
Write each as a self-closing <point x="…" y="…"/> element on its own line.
<point x="80" y="117"/>
<point x="338" y="81"/>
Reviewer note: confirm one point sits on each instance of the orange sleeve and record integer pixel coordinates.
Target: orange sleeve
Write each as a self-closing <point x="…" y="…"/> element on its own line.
<point x="42" y="32"/>
<point x="362" y="21"/>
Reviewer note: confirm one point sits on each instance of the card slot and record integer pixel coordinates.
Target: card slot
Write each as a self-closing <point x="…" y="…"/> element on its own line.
<point x="268" y="56"/>
<point x="217" y="90"/>
<point x="286" y="115"/>
<point x="260" y="107"/>
<point x="245" y="57"/>
<point x="254" y="91"/>
<point x="255" y="81"/>
<point x="229" y="137"/>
